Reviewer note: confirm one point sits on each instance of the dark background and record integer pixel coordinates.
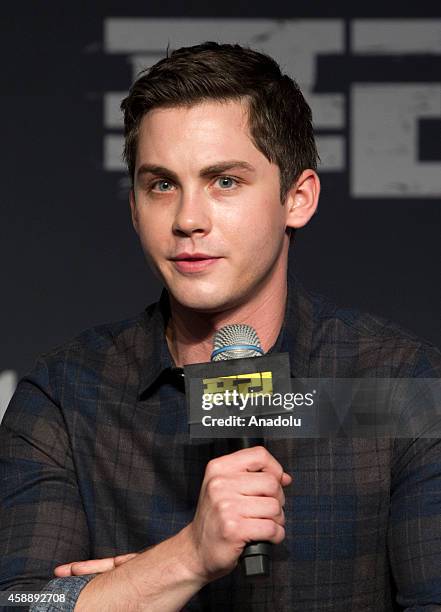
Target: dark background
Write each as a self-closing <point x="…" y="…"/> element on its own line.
<point x="70" y="258"/>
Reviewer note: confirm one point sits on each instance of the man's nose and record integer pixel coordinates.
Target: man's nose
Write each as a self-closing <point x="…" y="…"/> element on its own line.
<point x="192" y="214"/>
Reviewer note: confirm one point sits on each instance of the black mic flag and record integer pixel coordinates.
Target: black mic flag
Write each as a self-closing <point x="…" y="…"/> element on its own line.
<point x="239" y="373"/>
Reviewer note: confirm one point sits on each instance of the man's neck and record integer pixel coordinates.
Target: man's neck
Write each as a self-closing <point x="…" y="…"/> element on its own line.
<point x="190" y="333"/>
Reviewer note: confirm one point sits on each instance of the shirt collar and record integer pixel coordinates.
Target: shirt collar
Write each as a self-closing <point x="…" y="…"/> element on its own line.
<point x="295" y="336"/>
<point x="157" y="358"/>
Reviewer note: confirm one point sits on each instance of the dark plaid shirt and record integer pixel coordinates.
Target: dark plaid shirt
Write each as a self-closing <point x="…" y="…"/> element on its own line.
<point x="96" y="461"/>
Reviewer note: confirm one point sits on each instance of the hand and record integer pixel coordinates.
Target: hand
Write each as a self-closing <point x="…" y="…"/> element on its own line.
<point x="241" y="501"/>
<point x="92" y="566"/>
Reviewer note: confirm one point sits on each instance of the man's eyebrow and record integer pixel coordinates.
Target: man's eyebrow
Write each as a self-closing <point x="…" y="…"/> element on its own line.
<point x="204" y="172"/>
<point x="156" y="171"/>
<point x="226" y="165"/>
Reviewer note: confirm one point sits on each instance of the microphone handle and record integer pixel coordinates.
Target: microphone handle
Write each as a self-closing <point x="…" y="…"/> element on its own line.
<point x="256" y="556"/>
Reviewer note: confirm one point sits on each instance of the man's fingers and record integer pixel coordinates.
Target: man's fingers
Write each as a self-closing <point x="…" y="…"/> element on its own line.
<point x="263" y="507"/>
<point x="286" y="479"/>
<point x="79" y="568"/>
<point x="92" y="566"/>
<point x="61" y="571"/>
<point x="247" y="484"/>
<point x="120" y="559"/>
<point x="253" y="459"/>
<point x="256" y="530"/>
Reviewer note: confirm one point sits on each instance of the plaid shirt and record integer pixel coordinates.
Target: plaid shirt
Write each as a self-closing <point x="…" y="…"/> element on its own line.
<point x="96" y="460"/>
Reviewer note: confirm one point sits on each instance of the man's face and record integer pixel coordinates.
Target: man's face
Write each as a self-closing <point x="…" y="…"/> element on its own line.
<point x="207" y="206"/>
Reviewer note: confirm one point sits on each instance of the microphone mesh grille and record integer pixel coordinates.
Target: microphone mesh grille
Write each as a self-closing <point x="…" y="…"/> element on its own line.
<point x="232" y="335"/>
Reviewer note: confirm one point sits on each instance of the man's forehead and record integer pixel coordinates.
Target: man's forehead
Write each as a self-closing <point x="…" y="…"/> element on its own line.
<point x="211" y="118"/>
<point x="215" y="134"/>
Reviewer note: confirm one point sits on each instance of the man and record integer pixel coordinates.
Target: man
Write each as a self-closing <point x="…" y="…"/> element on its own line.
<point x="95" y="449"/>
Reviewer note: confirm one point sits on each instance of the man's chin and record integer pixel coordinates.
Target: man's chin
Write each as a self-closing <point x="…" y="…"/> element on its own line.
<point x="204" y="303"/>
<point x="203" y="306"/>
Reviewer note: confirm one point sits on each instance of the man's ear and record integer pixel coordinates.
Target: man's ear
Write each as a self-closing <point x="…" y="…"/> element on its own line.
<point x="302" y="199"/>
<point x="134" y="211"/>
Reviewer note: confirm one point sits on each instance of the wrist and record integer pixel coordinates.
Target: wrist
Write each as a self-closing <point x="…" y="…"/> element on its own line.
<point x="172" y="562"/>
<point x="189" y="559"/>
<point x="160" y="579"/>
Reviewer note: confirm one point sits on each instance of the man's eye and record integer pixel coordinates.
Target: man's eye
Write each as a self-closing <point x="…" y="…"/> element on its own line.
<point x="161" y="185"/>
<point x="226" y="182"/>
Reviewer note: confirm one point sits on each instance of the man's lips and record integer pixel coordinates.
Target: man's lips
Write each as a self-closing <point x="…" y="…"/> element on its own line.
<point x="194" y="262"/>
<point x="191" y="256"/>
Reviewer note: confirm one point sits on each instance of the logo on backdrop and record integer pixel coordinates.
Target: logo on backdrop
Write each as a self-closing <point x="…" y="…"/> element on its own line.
<point x="373" y="85"/>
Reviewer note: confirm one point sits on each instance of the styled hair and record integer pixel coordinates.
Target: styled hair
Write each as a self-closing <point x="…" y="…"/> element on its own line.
<point x="279" y="118"/>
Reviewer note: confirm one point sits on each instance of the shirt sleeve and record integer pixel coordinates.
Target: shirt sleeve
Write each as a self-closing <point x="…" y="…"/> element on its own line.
<point x="414" y="533"/>
<point x="69" y="587"/>
<point x="42" y="518"/>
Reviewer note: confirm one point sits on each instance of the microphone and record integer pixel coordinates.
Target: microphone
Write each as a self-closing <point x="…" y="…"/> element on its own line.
<point x="238" y="341"/>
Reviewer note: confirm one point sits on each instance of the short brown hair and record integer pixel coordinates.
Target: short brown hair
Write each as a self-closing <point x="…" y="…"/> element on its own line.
<point x="279" y="118"/>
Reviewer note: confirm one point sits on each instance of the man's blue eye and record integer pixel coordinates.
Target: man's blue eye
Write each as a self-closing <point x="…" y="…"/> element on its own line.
<point x="160" y="184"/>
<point x="226" y="181"/>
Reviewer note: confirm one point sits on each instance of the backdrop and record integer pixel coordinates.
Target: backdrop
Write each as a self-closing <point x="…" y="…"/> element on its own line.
<point x="70" y="258"/>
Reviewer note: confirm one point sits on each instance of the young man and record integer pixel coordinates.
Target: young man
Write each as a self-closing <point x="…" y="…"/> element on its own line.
<point x="95" y="447"/>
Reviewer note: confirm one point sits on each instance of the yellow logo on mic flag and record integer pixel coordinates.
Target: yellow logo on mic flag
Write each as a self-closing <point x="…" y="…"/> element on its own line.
<point x="252" y="385"/>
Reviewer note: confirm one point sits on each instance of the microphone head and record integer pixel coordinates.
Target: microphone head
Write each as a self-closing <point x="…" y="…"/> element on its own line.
<point x="236" y="341"/>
